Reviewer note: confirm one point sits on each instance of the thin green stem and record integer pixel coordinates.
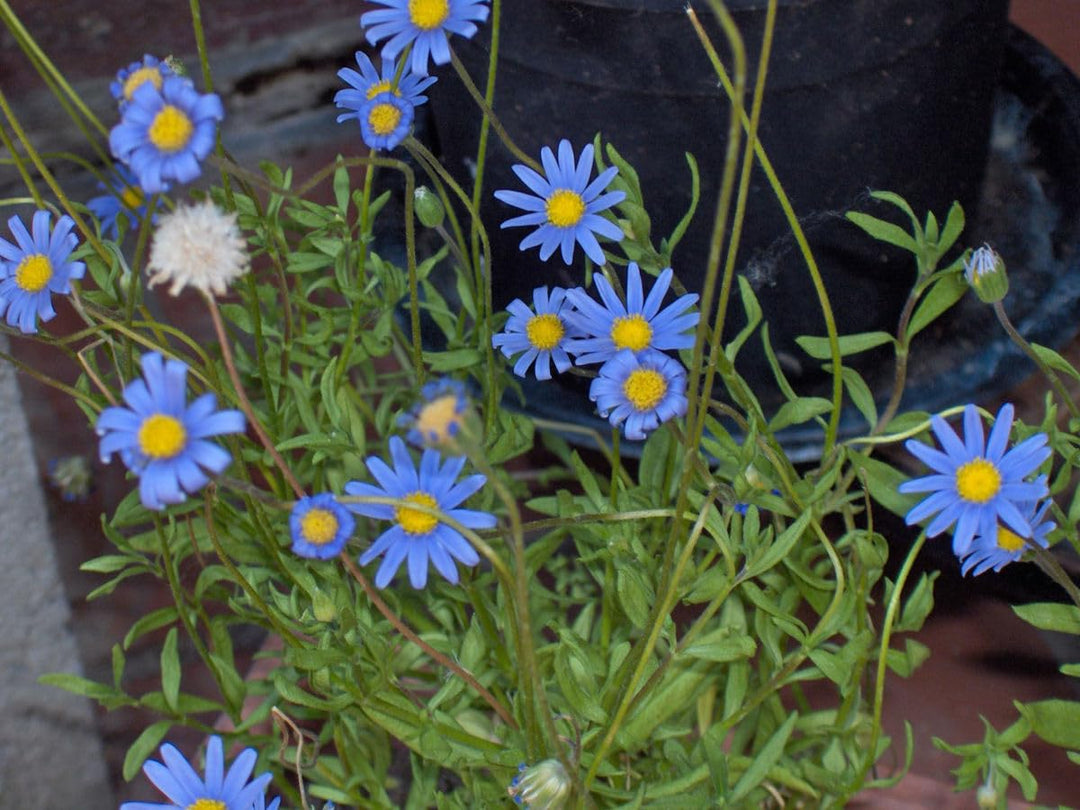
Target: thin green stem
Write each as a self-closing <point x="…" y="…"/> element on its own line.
<point x="891" y="612"/>
<point x="489" y="115"/>
<point x="733" y="91"/>
<point x="50" y="180"/>
<point x="1049" y="373"/>
<point x="44" y="66"/>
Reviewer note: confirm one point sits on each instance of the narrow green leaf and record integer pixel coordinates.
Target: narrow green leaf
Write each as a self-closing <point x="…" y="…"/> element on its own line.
<point x="765" y="759"/>
<point x="883" y="231"/>
<point x="1055" y="361"/>
<point x="954" y="225"/>
<point x="1050" y="616"/>
<point x="861" y="395"/>
<point x="144" y="746"/>
<point x="801" y="410"/>
<point x="943" y="293"/>
<point x="901" y="203"/>
<point x="170" y="668"/>
<point x="752" y="309"/>
<point x="818" y="347"/>
<point x="150" y="622"/>
<point x="109" y="563"/>
<point x="684" y="223"/>
<point x="780" y="547"/>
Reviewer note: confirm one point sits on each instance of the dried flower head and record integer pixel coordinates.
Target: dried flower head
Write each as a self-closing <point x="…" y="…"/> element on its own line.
<point x="198" y="246"/>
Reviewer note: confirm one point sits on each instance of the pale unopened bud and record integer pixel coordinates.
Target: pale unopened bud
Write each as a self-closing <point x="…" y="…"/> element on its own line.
<point x="985" y="272"/>
<point x="544" y="786"/>
<point x="429" y="208"/>
<point x="986" y="797"/>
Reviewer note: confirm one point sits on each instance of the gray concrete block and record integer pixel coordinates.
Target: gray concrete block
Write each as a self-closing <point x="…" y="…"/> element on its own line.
<point x="50" y="752"/>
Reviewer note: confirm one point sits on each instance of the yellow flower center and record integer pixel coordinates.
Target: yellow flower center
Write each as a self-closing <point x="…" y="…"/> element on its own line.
<point x="1009" y="541"/>
<point x="171" y="129"/>
<point x="564" y="208"/>
<point x="644" y="388"/>
<point x="438" y="418"/>
<point x="138" y="78"/>
<point x="33" y="272"/>
<point x="161" y="436"/>
<point x="632" y="332"/>
<point x="207" y="804"/>
<point x="384" y="118"/>
<point x="428" y="14"/>
<point x="381" y="87"/>
<point x="413" y="521"/>
<point x="319" y="526"/>
<point x="978" y="481"/>
<point x="544" y="331"/>
<point x="131" y="197"/>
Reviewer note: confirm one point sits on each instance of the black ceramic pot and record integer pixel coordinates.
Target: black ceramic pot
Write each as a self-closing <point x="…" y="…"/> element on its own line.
<point x="861" y="94"/>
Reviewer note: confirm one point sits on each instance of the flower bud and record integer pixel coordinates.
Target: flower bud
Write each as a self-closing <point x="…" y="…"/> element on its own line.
<point x="322" y="605"/>
<point x="985" y="272"/>
<point x="428" y="207"/>
<point x="986" y="797"/>
<point x="544" y="786"/>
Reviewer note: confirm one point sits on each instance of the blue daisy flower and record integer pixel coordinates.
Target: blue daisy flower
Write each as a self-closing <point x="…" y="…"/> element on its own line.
<point x="440" y="414"/>
<point x="541" y="333"/>
<point x="164" y="135"/>
<point x="320" y="526"/>
<point x="564" y="204"/>
<point x="423" y="24"/>
<point x="218" y="789"/>
<point x="1006" y="546"/>
<point x="640" y="391"/>
<point x="161" y="438"/>
<point x="415" y="534"/>
<point x="35" y="268"/>
<point x="368" y="83"/>
<point x="128" y="80"/>
<point x="385" y="120"/>
<point x="638" y="326"/>
<point x="976" y="485"/>
<point x="123" y="197"/>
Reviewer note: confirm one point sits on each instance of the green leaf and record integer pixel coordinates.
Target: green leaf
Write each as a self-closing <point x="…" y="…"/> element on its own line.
<point x="635" y="592"/>
<point x="918" y="604"/>
<point x="1055" y="361"/>
<point x="954" y="225"/>
<point x="801" y="410"/>
<point x="453" y="360"/>
<point x="818" y="347"/>
<point x="721" y="646"/>
<point x="884" y="231"/>
<point x="861" y="395"/>
<point x="109" y="563"/>
<point x="901" y="203"/>
<point x="170" y="669"/>
<point x="1056" y="721"/>
<point x="144" y="746"/>
<point x="684" y="223"/>
<point x="79" y="685"/>
<point x="764" y="759"/>
<point x="944" y="292"/>
<point x="341" y="189"/>
<point x="1051" y="616"/>
<point x="779" y="548"/>
<point x="753" y="317"/>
